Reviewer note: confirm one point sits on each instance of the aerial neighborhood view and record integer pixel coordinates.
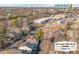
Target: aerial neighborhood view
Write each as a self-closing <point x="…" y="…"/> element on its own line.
<point x="39" y="29"/>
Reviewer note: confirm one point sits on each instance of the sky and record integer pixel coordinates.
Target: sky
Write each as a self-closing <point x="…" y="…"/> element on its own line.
<point x="31" y="5"/>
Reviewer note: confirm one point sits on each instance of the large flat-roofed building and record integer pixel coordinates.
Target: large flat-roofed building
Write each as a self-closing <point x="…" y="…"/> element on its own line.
<point x="42" y="20"/>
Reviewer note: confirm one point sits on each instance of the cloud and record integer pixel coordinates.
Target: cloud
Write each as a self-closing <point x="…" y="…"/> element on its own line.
<point x="31" y="5"/>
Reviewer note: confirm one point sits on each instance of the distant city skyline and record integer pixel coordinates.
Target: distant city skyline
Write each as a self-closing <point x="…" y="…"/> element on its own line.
<point x="32" y="5"/>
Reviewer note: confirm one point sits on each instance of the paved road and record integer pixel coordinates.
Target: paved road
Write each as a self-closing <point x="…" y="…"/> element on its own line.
<point x="21" y="42"/>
